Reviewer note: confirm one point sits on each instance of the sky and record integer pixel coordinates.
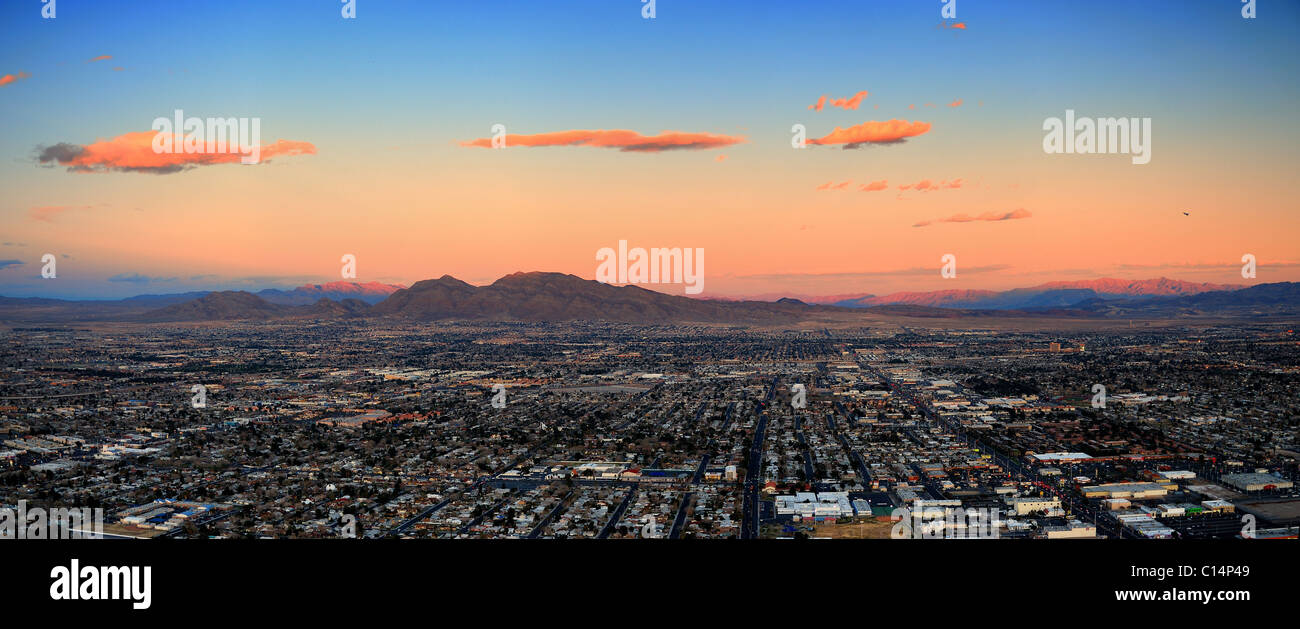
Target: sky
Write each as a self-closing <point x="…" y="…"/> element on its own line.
<point x="674" y="131"/>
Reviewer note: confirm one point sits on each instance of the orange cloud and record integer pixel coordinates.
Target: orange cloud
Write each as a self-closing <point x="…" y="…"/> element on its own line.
<point x="987" y="216"/>
<point x="831" y="185"/>
<point x="842" y="103"/>
<point x="874" y="186"/>
<point x="99" y="58"/>
<point x="925" y="185"/>
<point x="956" y="103"/>
<point x="623" y="140"/>
<point x="133" y="152"/>
<point x="720" y="158"/>
<point x="11" y="78"/>
<point x="961" y="25"/>
<point x="874" y="132"/>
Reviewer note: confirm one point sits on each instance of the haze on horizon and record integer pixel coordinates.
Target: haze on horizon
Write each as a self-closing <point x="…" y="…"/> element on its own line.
<point x="671" y="132"/>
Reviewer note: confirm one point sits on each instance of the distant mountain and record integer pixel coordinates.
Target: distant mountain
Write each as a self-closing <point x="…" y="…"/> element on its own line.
<point x="241" y="305"/>
<point x="1279" y="298"/>
<point x="561" y="297"/>
<point x="1052" y="295"/>
<point x="307" y="294"/>
<point x="932" y="299"/>
<point x="1161" y="286"/>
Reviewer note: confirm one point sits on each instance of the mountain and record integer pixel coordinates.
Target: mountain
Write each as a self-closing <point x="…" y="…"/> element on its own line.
<point x="307" y="294"/>
<point x="220" y="306"/>
<point x="562" y="297"/>
<point x="1052" y="295"/>
<point x="1279" y="298"/>
<point x="241" y="305"/>
<point x="932" y="299"/>
<point x="1162" y="286"/>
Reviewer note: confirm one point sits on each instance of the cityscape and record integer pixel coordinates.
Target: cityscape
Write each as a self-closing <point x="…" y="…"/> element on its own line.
<point x="897" y="426"/>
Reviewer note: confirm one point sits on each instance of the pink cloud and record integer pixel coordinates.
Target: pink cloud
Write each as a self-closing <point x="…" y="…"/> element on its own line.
<point x="623" y="140"/>
<point x="986" y="217"/>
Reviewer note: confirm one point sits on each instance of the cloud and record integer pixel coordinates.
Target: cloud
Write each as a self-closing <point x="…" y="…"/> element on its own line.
<point x="133" y="152"/>
<point x="961" y="25"/>
<point x="136" y="278"/>
<point x="99" y="58"/>
<point x="720" y="158"/>
<point x="987" y="216"/>
<point x="12" y="78"/>
<point x="874" y="186"/>
<point x="926" y="185"/>
<point x="48" y="212"/>
<point x="843" y="103"/>
<point x="863" y="275"/>
<point x="874" y="132"/>
<point x="621" y="139"/>
<point x="956" y="103"/>
<point x="4" y="264"/>
<point x="831" y="185"/>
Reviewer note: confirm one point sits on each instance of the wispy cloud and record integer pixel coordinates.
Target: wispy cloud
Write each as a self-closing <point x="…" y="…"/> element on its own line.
<point x="874" y="186"/>
<point x="99" y="58"/>
<point x="136" y="278"/>
<point x="926" y="185"/>
<point x="859" y="275"/>
<point x="831" y="185"/>
<point x="4" y="264"/>
<point x="621" y="139"/>
<point x="12" y="78"/>
<point x="47" y="213"/>
<point x="987" y="216"/>
<point x="851" y="102"/>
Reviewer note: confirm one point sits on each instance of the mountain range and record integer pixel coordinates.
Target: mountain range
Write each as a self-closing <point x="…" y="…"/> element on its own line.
<point x="541" y="296"/>
<point x="1051" y="295"/>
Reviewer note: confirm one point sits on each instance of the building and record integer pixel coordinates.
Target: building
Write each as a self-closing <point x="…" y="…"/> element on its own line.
<point x="1025" y="506"/>
<point x="1255" y="482"/>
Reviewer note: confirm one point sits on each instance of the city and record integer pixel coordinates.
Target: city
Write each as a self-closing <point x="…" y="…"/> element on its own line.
<point x="344" y="429"/>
